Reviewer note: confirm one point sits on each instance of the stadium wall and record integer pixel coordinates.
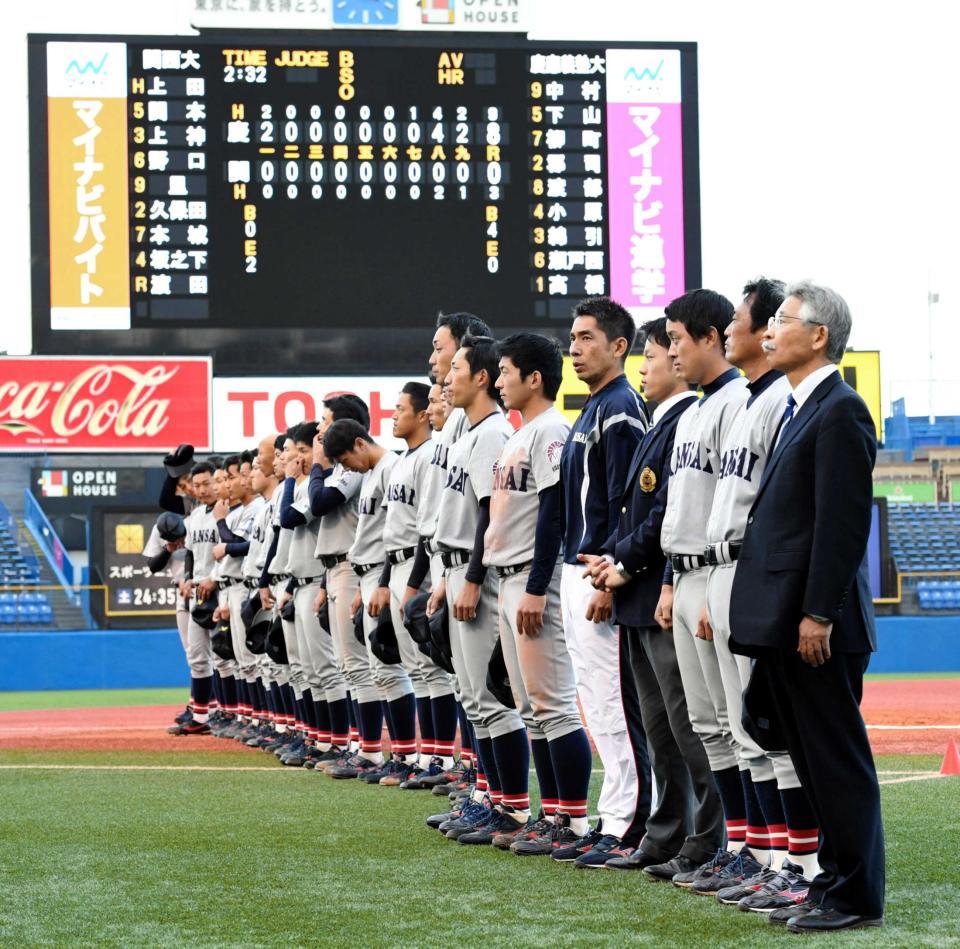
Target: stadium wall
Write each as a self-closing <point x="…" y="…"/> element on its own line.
<point x="153" y="658"/>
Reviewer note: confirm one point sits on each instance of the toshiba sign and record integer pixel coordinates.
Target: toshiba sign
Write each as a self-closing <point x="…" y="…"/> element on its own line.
<point x="246" y="409"/>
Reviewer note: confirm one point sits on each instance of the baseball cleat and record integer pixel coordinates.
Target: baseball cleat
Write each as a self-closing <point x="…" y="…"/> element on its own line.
<point x="474" y="815"/>
<point x="603" y="850"/>
<point x="572" y="846"/>
<point x="353" y="767"/>
<point x="195" y="728"/>
<point x="789" y="888"/>
<point x="737" y="871"/>
<point x="533" y="828"/>
<point x="185" y="716"/>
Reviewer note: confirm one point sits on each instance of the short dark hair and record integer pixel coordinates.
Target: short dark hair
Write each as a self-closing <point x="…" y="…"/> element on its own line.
<point x="419" y="393"/>
<point x="247" y="456"/>
<point x="611" y="317"/>
<point x="278" y="441"/>
<point x="341" y="436"/>
<point x="531" y="352"/>
<point x="202" y="467"/>
<point x="463" y="324"/>
<point x="305" y="433"/>
<point x="655" y="330"/>
<point x="216" y="461"/>
<point x="767" y="296"/>
<point x="231" y="460"/>
<point x="701" y="311"/>
<point x="481" y="353"/>
<point x="348" y="405"/>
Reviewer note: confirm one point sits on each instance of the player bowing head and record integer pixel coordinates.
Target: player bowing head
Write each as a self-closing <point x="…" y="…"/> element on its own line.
<point x="531" y="367"/>
<point x="348" y="443"/>
<point x="600" y="340"/>
<point x="302" y="453"/>
<point x="412" y="411"/>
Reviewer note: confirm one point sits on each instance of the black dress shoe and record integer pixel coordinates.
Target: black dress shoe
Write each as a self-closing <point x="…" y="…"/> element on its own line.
<point x="780" y="917"/>
<point x="822" y="920"/>
<point x="634" y="861"/>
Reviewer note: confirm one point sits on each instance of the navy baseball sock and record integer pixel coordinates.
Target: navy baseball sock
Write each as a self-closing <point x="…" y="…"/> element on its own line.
<point x="244" y="703"/>
<point x="772" y="808"/>
<point x="354" y="708"/>
<point x="200" y="689"/>
<point x="301" y="715"/>
<point x="279" y="711"/>
<point x="543" y="765"/>
<point x="512" y="754"/>
<point x="734" y="807"/>
<point x="228" y="688"/>
<point x="468" y="741"/>
<point x="310" y="714"/>
<point x="339" y="722"/>
<point x="757" y="839"/>
<point x="487" y="780"/>
<point x="403" y="738"/>
<point x="387" y="717"/>
<point x="572" y="764"/>
<point x="217" y="690"/>
<point x="290" y="705"/>
<point x="444" y="712"/>
<point x="261" y="692"/>
<point x="803" y="830"/>
<point x="322" y="715"/>
<point x="271" y="708"/>
<point x="370" y="715"/>
<point x="425" y="726"/>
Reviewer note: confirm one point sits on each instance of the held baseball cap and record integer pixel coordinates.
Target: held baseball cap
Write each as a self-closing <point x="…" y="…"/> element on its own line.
<point x="383" y="640"/>
<point x="171" y="527"/>
<point x="179" y="461"/>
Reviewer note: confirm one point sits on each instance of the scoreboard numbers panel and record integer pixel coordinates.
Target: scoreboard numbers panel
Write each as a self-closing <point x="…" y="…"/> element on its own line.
<point x="308" y="201"/>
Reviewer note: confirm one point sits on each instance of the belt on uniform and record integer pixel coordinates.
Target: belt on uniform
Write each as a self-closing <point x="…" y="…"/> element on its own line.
<point x="252" y="583"/>
<point x="401" y="556"/>
<point x="432" y="546"/>
<point x="228" y="582"/>
<point x="331" y="560"/>
<point x="305" y="581"/>
<point x="725" y="552"/>
<point x="361" y="569"/>
<point x="454" y="558"/>
<point x="684" y="562"/>
<point x="512" y="570"/>
<point x="277" y="577"/>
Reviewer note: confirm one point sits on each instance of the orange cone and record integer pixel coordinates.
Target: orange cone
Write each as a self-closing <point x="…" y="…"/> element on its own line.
<point x="951" y="760"/>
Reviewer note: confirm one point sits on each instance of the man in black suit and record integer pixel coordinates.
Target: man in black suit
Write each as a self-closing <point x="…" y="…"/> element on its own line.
<point x="687" y="824"/>
<point x="801" y="604"/>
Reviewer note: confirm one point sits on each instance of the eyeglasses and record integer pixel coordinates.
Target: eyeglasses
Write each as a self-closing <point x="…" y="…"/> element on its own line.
<point x="778" y="319"/>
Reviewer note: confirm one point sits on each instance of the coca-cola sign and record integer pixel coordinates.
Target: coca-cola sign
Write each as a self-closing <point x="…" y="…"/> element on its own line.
<point x="88" y="404"/>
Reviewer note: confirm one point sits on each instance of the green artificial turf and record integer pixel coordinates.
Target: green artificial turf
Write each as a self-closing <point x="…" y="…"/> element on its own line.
<point x="284" y="857"/>
<point x="91" y="698"/>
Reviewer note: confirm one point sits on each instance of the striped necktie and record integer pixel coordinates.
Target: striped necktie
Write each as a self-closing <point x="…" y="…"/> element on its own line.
<point x="787" y="416"/>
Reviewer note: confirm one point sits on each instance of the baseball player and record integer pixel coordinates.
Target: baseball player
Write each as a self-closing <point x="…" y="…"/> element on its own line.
<point x="594" y="467"/>
<point x="235" y="530"/>
<point x="349" y="443"/>
<point x="522" y="545"/>
<point x="451" y="328"/>
<point x="164" y="551"/>
<point x="323" y="684"/>
<point x="782" y="834"/>
<point x="432" y="686"/>
<point x="696" y="322"/>
<point x="199" y="541"/>
<point x="333" y="494"/>
<point x="472" y="596"/>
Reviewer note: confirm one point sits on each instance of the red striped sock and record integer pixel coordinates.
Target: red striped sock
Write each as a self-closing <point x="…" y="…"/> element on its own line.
<point x="443" y="749"/>
<point x="736" y="833"/>
<point x="549" y="806"/>
<point x="778" y="836"/>
<point x="481" y="781"/>
<point x="803" y="841"/>
<point x="758" y="838"/>
<point x="341" y="741"/>
<point x="573" y="808"/>
<point x="519" y="802"/>
<point x="496" y="796"/>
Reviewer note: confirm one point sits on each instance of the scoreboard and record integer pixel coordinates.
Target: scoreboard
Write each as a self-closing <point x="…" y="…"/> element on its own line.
<point x="309" y="202"/>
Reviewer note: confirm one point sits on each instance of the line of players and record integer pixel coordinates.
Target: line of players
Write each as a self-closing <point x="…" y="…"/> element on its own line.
<point x="574" y="551"/>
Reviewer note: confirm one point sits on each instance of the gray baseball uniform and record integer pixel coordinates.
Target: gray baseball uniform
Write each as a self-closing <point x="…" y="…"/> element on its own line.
<point x="154" y="546"/>
<point x="339" y="526"/>
<point x="470" y="465"/>
<point x="453" y="428"/>
<point x="694" y="466"/>
<point x="540" y="668"/>
<point x="202" y="537"/>
<point x="748" y="442"/>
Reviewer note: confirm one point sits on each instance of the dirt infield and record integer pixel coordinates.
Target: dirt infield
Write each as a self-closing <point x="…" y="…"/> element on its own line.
<point x="911" y="716"/>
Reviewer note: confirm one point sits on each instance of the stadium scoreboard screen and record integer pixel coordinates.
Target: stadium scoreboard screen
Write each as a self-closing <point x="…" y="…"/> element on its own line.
<point x="317" y="195"/>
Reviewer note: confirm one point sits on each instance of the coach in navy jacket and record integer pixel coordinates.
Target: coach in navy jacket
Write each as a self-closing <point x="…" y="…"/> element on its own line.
<point x="801" y="603"/>
<point x="687" y="823"/>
